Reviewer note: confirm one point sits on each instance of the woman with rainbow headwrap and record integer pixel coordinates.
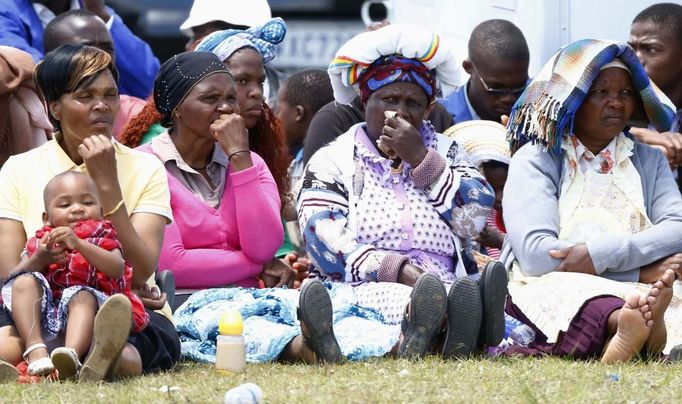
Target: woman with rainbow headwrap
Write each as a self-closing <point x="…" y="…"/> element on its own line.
<point x="392" y="199"/>
<point x="593" y="216"/>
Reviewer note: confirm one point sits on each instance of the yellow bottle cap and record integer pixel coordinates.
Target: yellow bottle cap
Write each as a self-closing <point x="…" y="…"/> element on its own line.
<point x="231" y="323"/>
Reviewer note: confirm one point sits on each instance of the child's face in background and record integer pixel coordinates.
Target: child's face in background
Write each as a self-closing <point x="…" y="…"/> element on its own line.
<point x="73" y="198"/>
<point x="496" y="177"/>
<point x="290" y="119"/>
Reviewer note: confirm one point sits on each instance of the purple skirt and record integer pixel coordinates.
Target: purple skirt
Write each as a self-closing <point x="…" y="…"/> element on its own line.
<point x="585" y="337"/>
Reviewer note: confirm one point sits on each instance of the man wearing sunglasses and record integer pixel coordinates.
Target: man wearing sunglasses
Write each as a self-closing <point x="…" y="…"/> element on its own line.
<point x="498" y="70"/>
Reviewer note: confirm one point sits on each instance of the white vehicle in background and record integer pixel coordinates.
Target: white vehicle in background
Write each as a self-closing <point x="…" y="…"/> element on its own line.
<point x="313" y="44"/>
<point x="547" y="24"/>
<point x="315" y="31"/>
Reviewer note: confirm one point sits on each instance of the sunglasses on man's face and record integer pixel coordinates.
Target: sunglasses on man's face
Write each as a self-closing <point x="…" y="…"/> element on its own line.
<point x="499" y="92"/>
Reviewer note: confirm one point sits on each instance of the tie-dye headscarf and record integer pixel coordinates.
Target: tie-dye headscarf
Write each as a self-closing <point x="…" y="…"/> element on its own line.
<point x="396" y="68"/>
<point x="263" y="39"/>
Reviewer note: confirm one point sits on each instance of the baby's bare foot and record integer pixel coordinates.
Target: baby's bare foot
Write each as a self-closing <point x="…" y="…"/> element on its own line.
<point x="659" y="298"/>
<point x="634" y="326"/>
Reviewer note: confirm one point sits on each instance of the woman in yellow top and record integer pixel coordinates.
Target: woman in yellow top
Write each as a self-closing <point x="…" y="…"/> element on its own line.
<point x="80" y="86"/>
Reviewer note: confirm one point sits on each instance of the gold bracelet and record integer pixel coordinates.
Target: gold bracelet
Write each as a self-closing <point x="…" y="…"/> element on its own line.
<point x="115" y="209"/>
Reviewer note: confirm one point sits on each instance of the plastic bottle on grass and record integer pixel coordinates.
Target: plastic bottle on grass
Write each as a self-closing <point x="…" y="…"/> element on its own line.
<point x="247" y="393"/>
<point x="230" y="347"/>
<point x="516" y="332"/>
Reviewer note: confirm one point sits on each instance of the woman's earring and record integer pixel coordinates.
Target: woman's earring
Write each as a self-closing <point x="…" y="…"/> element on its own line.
<point x="177" y="114"/>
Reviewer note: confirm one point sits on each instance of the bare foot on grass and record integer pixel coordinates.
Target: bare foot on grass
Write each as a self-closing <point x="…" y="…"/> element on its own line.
<point x="659" y="298"/>
<point x="634" y="327"/>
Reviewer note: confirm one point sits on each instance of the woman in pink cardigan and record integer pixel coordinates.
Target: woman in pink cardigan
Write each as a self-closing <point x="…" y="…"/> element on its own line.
<point x="225" y="202"/>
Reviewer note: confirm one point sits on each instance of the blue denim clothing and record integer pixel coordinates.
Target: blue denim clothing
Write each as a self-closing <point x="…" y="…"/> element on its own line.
<point x="20" y="27"/>
<point x="457" y="105"/>
<point x="270" y="323"/>
<point x="54" y="313"/>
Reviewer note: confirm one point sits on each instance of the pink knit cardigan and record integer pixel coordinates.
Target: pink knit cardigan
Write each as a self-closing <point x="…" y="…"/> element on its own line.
<point x="207" y="247"/>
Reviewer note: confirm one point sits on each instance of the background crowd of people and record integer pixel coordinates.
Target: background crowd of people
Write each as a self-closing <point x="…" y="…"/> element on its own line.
<point x="359" y="212"/>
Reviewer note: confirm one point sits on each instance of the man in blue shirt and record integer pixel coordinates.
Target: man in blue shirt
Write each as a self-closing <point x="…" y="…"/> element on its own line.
<point x="22" y="23"/>
<point x="498" y="69"/>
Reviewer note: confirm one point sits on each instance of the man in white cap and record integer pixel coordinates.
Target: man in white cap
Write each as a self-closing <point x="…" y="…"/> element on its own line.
<point x="207" y="16"/>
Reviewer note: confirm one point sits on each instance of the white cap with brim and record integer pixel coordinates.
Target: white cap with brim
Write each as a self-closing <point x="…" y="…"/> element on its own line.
<point x="616" y="63"/>
<point x="482" y="140"/>
<point x="236" y="12"/>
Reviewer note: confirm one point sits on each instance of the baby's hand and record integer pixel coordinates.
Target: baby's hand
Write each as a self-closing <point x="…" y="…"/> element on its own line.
<point x="299" y="264"/>
<point x="48" y="253"/>
<point x="64" y="237"/>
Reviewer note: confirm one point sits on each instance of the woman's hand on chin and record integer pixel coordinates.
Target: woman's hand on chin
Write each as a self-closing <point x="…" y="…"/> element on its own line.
<point x="404" y="139"/>
<point x="230" y="132"/>
<point x="99" y="157"/>
<point x="574" y="259"/>
<point x="652" y="272"/>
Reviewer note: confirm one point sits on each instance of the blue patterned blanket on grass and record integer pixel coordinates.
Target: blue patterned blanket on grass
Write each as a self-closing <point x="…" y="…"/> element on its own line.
<point x="270" y="323"/>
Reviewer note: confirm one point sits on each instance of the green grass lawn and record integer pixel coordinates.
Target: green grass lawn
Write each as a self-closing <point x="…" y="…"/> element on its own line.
<point x="388" y="380"/>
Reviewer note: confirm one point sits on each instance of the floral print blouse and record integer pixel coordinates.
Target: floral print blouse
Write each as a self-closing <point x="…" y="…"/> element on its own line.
<point x="365" y="225"/>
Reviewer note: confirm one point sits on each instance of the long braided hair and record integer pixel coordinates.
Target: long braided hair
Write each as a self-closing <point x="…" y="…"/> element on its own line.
<point x="131" y="135"/>
<point x="266" y="138"/>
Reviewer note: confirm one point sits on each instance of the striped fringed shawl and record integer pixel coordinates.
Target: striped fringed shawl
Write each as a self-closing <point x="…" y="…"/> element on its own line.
<point x="546" y="109"/>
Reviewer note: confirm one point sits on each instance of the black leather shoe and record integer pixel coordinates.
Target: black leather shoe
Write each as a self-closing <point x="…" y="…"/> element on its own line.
<point x="493" y="286"/>
<point x="424" y="317"/>
<point x="316" y="316"/>
<point x="464" y="316"/>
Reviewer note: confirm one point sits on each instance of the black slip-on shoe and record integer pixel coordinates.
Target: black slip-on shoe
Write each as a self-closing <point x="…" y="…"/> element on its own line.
<point x="315" y="313"/>
<point x="464" y="316"/>
<point x="493" y="286"/>
<point x="424" y="317"/>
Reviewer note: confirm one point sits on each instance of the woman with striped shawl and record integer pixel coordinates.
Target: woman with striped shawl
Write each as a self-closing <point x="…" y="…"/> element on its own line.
<point x="593" y="217"/>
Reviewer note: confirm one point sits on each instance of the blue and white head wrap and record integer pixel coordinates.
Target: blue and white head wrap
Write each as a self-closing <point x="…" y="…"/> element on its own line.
<point x="263" y="39"/>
